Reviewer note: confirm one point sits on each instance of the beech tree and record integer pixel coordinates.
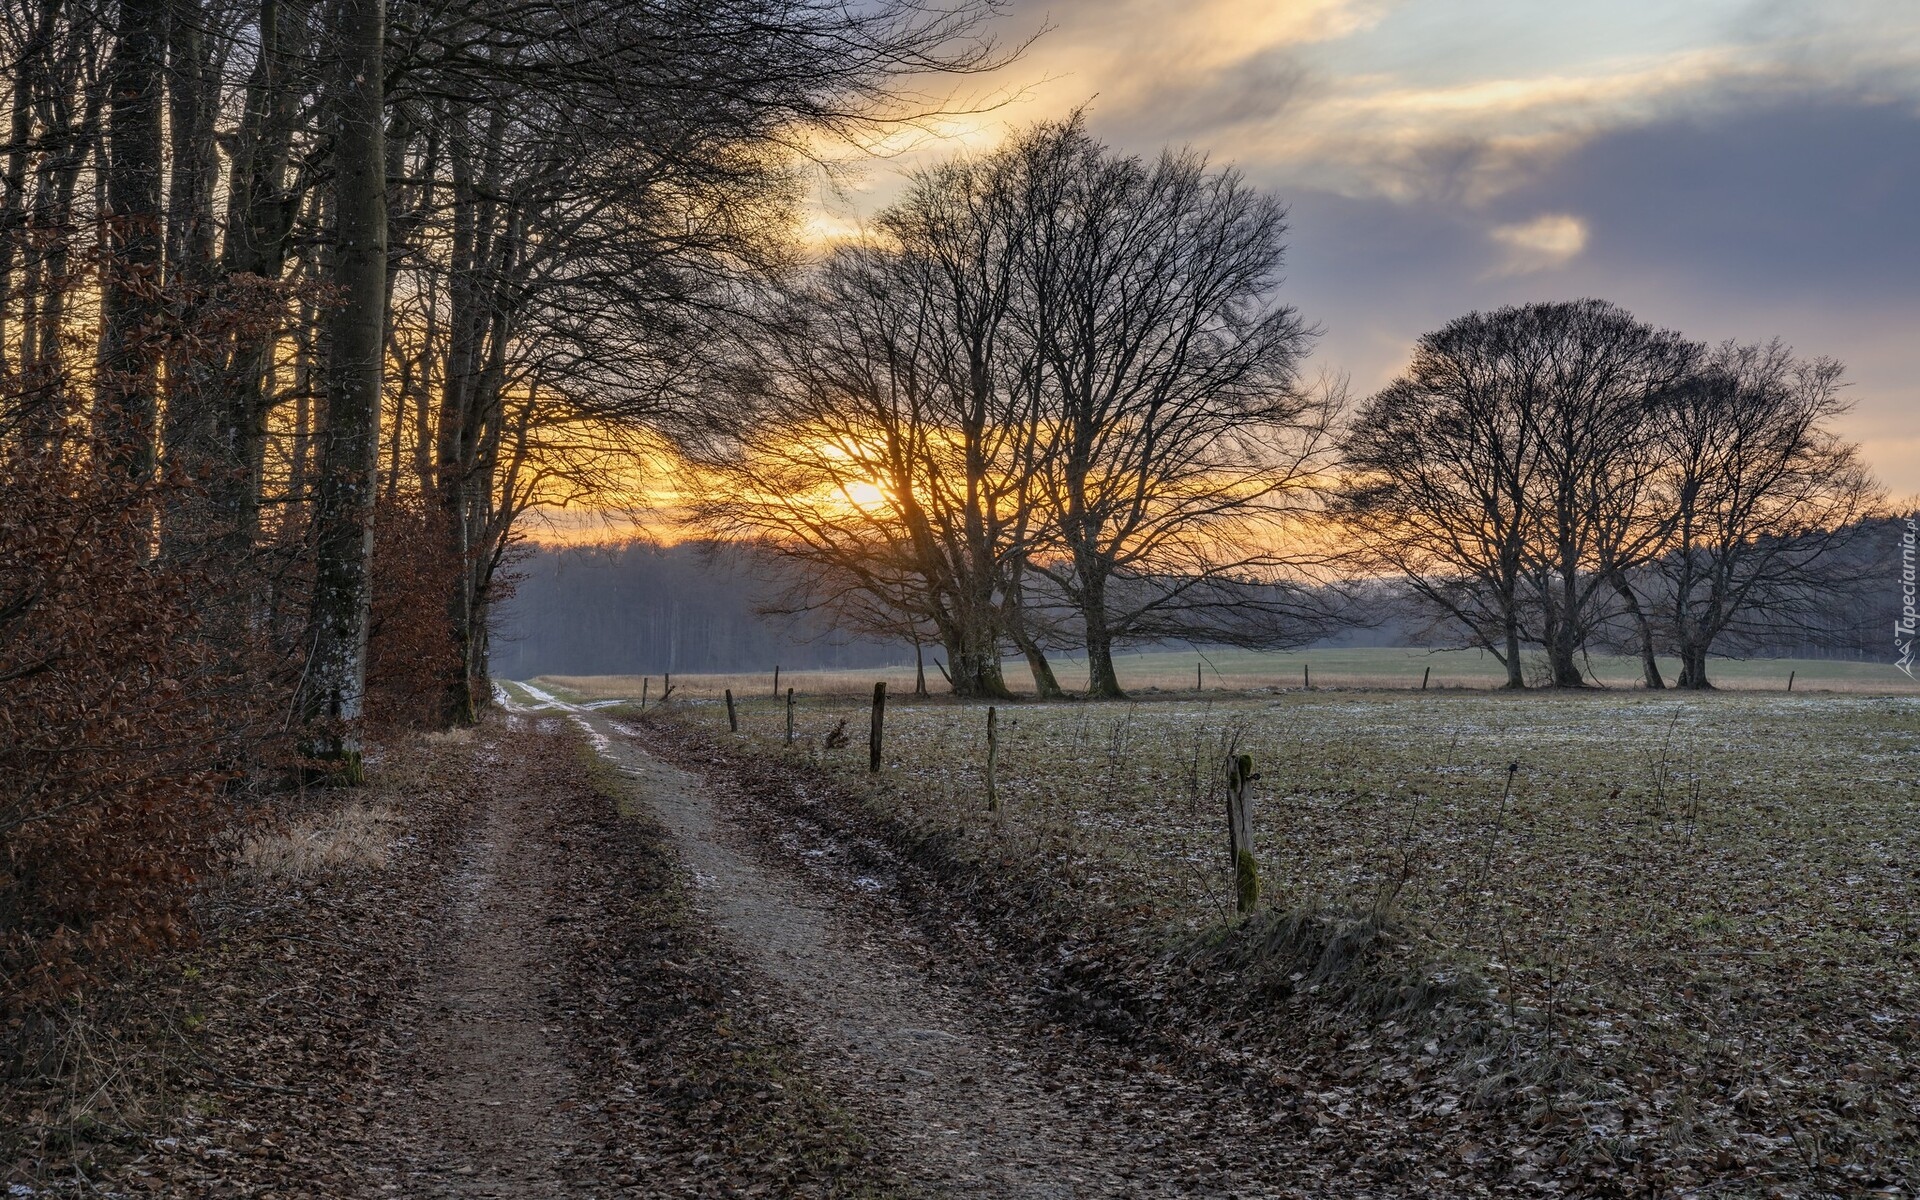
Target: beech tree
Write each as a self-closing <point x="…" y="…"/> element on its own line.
<point x="582" y="190"/>
<point x="126" y="381"/>
<point x="355" y="345"/>
<point x="1590" y="378"/>
<point x="1766" y="503"/>
<point x="1541" y="472"/>
<point x="1064" y="374"/>
<point x="246" y="246"/>
<point x="851" y="450"/>
<point x="1439" y="485"/>
<point x="1182" y="440"/>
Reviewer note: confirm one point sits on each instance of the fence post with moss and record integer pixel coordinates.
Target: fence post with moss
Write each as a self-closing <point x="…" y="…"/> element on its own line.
<point x="1246" y="877"/>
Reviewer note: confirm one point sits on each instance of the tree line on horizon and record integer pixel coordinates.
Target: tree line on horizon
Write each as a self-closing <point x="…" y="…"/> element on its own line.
<point x="717" y="609"/>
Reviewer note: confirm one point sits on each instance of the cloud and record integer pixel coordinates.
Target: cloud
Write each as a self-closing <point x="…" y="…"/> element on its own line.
<point x="1730" y="168"/>
<point x="1811" y="198"/>
<point x="1791" y="219"/>
<point x="1549" y="240"/>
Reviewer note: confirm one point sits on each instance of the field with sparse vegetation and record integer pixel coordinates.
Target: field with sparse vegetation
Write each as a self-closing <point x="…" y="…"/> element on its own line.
<point x="1396" y="667"/>
<point x="1689" y="920"/>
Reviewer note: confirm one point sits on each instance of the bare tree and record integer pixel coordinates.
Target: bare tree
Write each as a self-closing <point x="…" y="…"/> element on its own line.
<point x="1766" y="501"/>
<point x="1591" y="379"/>
<point x="1063" y="375"/>
<point x="863" y="446"/>
<point x="1542" y="471"/>
<point x="1439" y="465"/>
<point x="1181" y="439"/>
<point x="126" y="383"/>
<point x="1505" y="475"/>
<point x="61" y="54"/>
<point x="583" y="188"/>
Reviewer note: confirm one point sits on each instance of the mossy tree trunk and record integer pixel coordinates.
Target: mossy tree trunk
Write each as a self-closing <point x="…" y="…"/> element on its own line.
<point x="350" y="443"/>
<point x="1246" y="875"/>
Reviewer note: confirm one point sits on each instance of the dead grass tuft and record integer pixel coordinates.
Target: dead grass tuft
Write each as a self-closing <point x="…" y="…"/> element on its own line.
<point x="355" y="836"/>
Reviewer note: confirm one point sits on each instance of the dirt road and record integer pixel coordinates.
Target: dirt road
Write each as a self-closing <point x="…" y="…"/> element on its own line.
<point x="568" y="969"/>
<point x="955" y="1084"/>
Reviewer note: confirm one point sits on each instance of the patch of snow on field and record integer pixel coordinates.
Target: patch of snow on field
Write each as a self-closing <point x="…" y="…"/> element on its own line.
<point x="543" y="698"/>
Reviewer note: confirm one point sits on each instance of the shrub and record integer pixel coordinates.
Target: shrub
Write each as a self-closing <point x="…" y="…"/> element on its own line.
<point x="411" y="651"/>
<point x="110" y="758"/>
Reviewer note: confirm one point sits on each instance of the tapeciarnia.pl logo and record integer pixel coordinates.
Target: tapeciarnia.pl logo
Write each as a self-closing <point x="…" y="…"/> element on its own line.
<point x="1903" y="627"/>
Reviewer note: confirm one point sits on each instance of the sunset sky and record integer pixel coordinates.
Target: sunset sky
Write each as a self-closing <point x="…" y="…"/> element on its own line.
<point x="1731" y="168"/>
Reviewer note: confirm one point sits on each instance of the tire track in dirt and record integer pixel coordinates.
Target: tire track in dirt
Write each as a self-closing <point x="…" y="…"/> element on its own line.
<point x="492" y="1092"/>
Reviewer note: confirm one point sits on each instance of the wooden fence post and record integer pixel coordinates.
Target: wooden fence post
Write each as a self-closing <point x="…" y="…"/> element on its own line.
<point x="1790" y="675"/>
<point x="644" y="681"/>
<point x="789" y="716"/>
<point x="1199" y="685"/>
<point x="733" y="718"/>
<point x="879" y="719"/>
<point x="1423" y="678"/>
<point x="993" y="760"/>
<point x="776" y="681"/>
<point x="1306" y="675"/>
<point x="1246" y="877"/>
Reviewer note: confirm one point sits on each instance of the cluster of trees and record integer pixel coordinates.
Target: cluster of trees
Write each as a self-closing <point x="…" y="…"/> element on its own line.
<point x="1052" y="397"/>
<point x="1564" y="476"/>
<point x="302" y="304"/>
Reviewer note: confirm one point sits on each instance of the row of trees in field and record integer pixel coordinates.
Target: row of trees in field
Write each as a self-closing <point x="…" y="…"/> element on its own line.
<point x="1556" y="475"/>
<point x="303" y="303"/>
<point x="1052" y="399"/>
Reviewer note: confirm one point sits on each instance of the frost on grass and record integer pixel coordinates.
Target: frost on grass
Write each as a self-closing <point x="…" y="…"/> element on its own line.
<point x="1703" y="906"/>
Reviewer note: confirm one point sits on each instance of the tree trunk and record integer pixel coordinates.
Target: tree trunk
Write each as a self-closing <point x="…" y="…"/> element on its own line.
<point x="1563" y="630"/>
<point x="1693" y="668"/>
<point x="1045" y="684"/>
<point x="973" y="657"/>
<point x="1103" y="682"/>
<point x="125" y="388"/>
<point x="1563" y="656"/>
<point x="350" y="447"/>
<point x="13" y="210"/>
<point x="484" y="249"/>
<point x="259" y="220"/>
<point x="190" y="525"/>
<point x="977" y="662"/>
<point x="1649" y="662"/>
<point x="1516" y="680"/>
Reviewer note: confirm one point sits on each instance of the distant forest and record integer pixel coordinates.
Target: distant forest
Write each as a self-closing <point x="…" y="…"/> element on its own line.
<point x="642" y="608"/>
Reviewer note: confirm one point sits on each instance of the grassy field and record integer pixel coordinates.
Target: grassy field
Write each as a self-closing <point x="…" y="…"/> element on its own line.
<point x="1248" y="670"/>
<point x="1701" y="908"/>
